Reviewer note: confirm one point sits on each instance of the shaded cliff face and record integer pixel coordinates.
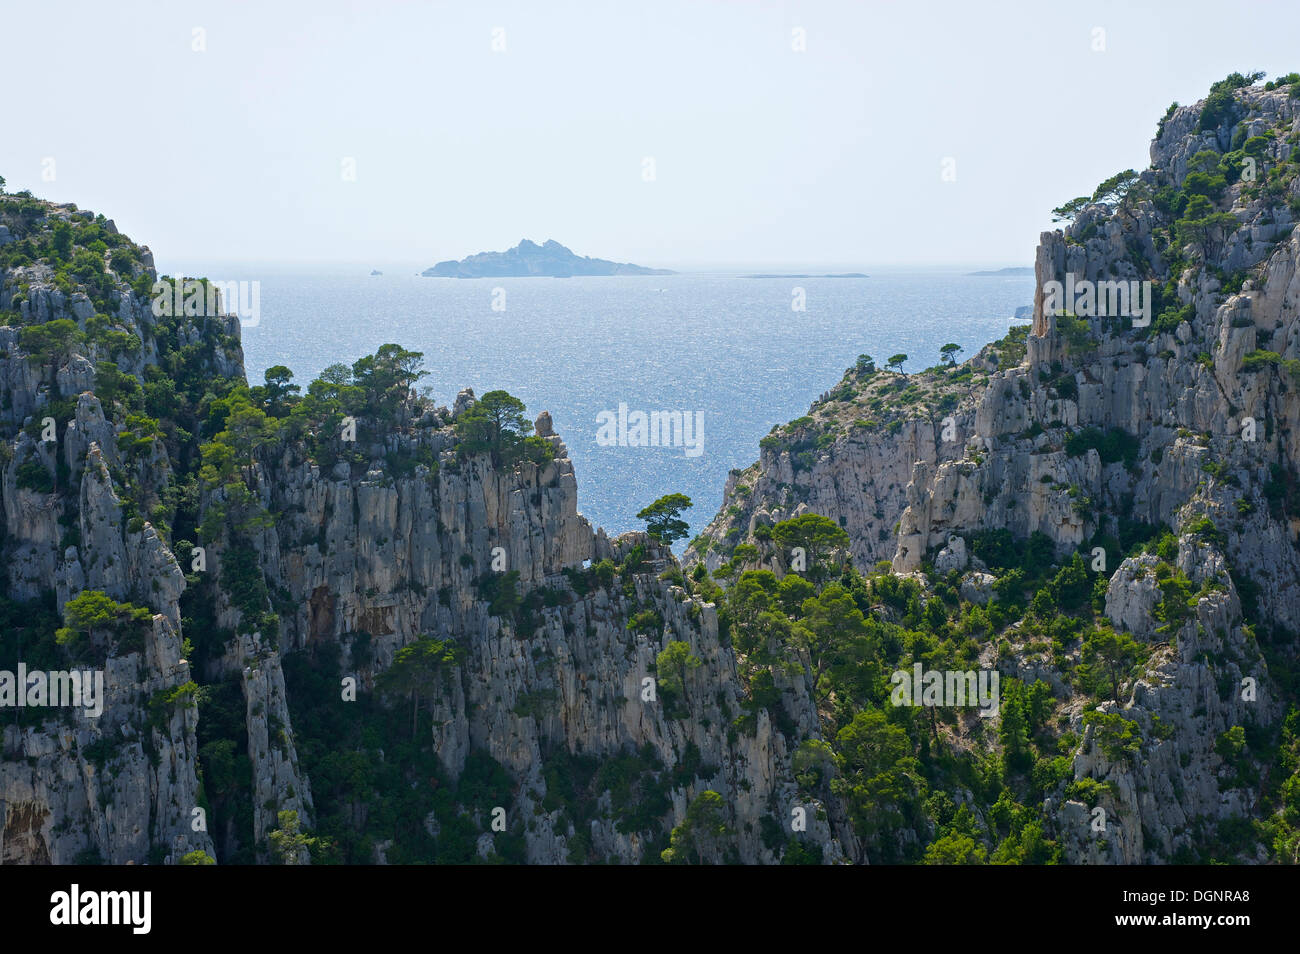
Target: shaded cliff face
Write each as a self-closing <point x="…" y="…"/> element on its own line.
<point x="1092" y="431"/>
<point x="272" y="580"/>
<point x="78" y="483"/>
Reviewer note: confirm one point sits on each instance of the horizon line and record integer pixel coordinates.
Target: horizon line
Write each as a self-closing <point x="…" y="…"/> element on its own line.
<point x="680" y="267"/>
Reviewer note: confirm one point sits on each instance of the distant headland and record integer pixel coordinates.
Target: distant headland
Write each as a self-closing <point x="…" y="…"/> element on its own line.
<point x="528" y="259"/>
<point x="839" y="275"/>
<point x="1004" y="272"/>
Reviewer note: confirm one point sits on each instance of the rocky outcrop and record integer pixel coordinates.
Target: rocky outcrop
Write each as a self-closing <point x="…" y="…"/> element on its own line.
<point x="1188" y="419"/>
<point x="118" y="787"/>
<point x="398" y="558"/>
<point x="123" y="785"/>
<point x="1199" y="682"/>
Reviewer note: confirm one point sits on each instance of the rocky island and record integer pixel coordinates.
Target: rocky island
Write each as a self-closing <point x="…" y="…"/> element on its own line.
<point x="530" y="260"/>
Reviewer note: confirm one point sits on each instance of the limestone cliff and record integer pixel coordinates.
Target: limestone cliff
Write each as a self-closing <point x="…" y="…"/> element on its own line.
<point x="306" y="545"/>
<point x="1089" y="426"/>
<point x="121" y="786"/>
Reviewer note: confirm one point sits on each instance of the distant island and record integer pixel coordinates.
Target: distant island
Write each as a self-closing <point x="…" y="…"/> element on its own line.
<point x="375" y="271"/>
<point x="528" y="259"/>
<point x="1002" y="272"/>
<point x="840" y="275"/>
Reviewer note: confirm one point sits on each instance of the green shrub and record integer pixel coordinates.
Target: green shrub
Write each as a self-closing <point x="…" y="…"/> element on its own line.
<point x="33" y="475"/>
<point x="1113" y="445"/>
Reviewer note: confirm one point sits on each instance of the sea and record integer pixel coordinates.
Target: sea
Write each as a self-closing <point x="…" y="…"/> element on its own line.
<point x="735" y="354"/>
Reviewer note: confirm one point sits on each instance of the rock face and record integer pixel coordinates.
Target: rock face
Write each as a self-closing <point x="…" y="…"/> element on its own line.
<point x="865" y="489"/>
<point x="528" y="259"/>
<point x="400" y="558"/>
<point x="1183" y="703"/>
<point x="301" y="556"/>
<point x="114" y="787"/>
<point x="122" y="786"/>
<point x="1189" y="420"/>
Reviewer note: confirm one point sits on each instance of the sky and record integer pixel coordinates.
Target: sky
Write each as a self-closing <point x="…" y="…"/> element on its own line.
<point x="690" y="135"/>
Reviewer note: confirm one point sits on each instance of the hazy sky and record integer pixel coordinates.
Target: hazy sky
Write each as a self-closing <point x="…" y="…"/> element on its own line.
<point x="762" y="155"/>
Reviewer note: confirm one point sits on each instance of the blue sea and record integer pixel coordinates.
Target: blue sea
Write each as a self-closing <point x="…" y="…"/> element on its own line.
<point x="727" y="346"/>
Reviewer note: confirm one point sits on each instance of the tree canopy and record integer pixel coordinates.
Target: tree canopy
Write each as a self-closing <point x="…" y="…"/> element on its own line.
<point x="497" y="424"/>
<point x="663" y="518"/>
<point x="815" y="534"/>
